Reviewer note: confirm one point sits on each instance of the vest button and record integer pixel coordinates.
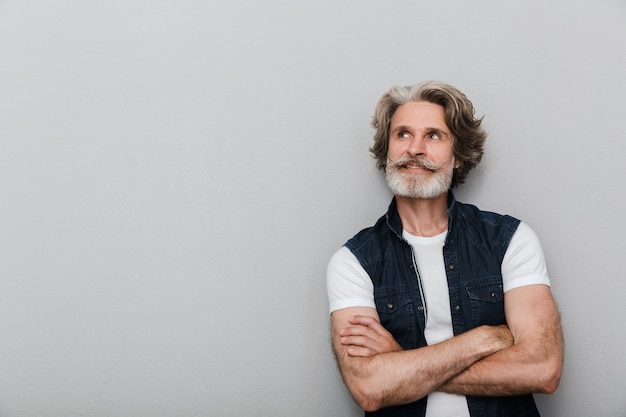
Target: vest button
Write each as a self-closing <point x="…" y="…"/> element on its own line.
<point x="457" y="308"/>
<point x="451" y="266"/>
<point x="420" y="308"/>
<point x="390" y="306"/>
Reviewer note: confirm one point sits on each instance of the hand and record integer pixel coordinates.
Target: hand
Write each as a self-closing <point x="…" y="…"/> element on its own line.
<point x="501" y="336"/>
<point x="367" y="337"/>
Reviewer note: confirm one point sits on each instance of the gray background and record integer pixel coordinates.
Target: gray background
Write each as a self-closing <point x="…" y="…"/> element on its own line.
<point x="176" y="175"/>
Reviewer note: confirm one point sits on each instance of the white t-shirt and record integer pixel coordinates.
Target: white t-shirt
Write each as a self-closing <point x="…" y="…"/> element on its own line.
<point x="349" y="285"/>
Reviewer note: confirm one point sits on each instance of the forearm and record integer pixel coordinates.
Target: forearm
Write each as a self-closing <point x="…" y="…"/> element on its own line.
<point x="532" y="364"/>
<point x="512" y="371"/>
<point x="402" y="377"/>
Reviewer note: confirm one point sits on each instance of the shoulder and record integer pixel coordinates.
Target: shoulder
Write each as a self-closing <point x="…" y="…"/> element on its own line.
<point x="347" y="283"/>
<point x="471" y="213"/>
<point x="524" y="262"/>
<point x="482" y="224"/>
<point x="369" y="243"/>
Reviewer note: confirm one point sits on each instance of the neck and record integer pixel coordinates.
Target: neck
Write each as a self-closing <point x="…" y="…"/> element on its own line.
<point x="423" y="217"/>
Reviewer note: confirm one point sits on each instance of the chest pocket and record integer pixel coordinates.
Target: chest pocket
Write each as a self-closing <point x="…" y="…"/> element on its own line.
<point x="487" y="301"/>
<point x="395" y="308"/>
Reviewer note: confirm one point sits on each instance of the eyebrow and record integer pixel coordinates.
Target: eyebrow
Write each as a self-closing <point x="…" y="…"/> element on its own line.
<point x="399" y="128"/>
<point x="428" y="129"/>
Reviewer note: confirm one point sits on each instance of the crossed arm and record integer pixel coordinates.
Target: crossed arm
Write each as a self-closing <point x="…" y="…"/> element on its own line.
<point x="522" y="358"/>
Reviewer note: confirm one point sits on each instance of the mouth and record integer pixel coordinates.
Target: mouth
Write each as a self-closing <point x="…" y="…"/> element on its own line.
<point x="415" y="166"/>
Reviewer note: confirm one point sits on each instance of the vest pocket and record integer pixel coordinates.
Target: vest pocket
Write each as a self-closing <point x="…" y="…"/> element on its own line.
<point x="486" y="300"/>
<point x="395" y="309"/>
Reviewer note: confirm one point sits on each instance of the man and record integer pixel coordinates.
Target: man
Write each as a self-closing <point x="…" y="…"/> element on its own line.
<point x="441" y="309"/>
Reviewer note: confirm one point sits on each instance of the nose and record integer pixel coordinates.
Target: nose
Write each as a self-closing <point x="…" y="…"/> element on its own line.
<point x="416" y="146"/>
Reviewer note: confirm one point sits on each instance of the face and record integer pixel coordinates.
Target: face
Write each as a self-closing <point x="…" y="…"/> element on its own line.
<point x="420" y="157"/>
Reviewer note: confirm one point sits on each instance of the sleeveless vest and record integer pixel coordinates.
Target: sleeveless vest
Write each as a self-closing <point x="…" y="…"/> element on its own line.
<point x="473" y="252"/>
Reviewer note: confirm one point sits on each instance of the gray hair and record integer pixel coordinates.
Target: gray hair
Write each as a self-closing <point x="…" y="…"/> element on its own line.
<point x="468" y="135"/>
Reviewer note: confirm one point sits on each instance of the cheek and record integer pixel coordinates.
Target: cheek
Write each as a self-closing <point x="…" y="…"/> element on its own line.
<point x="444" y="154"/>
<point x="394" y="150"/>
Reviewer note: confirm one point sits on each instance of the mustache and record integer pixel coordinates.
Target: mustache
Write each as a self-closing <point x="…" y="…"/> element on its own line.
<point x="405" y="161"/>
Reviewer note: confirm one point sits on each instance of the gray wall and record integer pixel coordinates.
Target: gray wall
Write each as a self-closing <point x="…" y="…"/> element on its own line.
<point x="175" y="176"/>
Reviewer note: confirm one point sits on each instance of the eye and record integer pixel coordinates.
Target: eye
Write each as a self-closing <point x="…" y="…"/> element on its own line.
<point x="404" y="134"/>
<point x="434" y="136"/>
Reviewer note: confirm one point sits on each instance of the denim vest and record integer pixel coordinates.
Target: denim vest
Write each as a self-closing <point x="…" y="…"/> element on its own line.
<point x="473" y="252"/>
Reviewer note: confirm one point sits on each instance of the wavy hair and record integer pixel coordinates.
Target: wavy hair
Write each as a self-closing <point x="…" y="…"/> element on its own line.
<point x="468" y="135"/>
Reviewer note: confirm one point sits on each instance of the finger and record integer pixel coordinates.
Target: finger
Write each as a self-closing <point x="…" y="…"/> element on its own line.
<point x="359" y="351"/>
<point x="378" y="339"/>
<point x="373" y="346"/>
<point x="359" y="338"/>
<point x="369" y="322"/>
<point x="358" y="330"/>
<point x="358" y="341"/>
<point x="363" y="320"/>
<point x="351" y="341"/>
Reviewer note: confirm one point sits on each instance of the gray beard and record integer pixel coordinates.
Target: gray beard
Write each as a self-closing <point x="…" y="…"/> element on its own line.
<point x="419" y="185"/>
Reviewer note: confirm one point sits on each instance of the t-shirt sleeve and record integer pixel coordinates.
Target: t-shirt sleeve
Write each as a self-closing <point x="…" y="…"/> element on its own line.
<point x="347" y="283"/>
<point x="524" y="262"/>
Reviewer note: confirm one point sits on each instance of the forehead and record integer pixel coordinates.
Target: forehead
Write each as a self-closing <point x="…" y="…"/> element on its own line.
<point x="419" y="114"/>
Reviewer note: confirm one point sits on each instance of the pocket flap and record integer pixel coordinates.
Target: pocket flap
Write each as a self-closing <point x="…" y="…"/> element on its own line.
<point x="488" y="290"/>
<point x="389" y="300"/>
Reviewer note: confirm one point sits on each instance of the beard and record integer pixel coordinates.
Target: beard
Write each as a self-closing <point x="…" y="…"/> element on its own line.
<point x="430" y="184"/>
